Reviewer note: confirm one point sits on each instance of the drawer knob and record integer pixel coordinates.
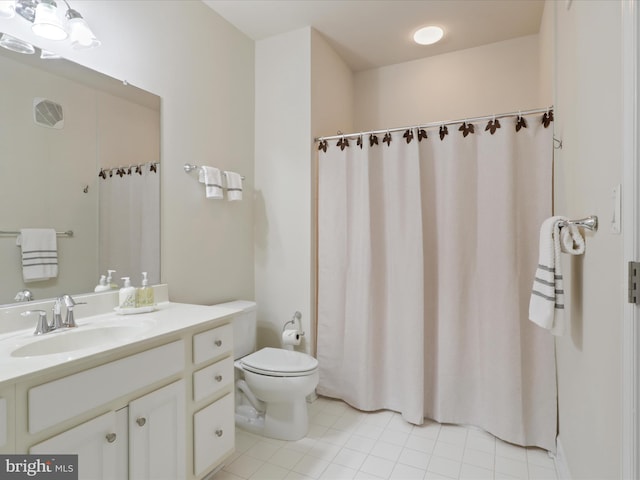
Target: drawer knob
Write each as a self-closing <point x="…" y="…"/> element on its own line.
<point x="218" y="378"/>
<point x="111" y="437"/>
<point x="141" y="421"/>
<point x="219" y="432"/>
<point x="218" y="343"/>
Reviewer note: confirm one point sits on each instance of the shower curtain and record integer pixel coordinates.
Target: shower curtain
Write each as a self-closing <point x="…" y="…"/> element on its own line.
<point x="129" y="222"/>
<point x="427" y="248"/>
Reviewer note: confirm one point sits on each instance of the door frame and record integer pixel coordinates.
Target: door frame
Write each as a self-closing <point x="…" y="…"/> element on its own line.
<point x="630" y="411"/>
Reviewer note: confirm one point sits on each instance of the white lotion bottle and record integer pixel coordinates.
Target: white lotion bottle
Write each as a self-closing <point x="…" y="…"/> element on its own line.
<point x="127" y="295"/>
<point x="102" y="286"/>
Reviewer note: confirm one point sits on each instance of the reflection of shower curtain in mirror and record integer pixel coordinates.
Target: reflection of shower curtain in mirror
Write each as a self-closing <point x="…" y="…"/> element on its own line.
<point x="130" y="226"/>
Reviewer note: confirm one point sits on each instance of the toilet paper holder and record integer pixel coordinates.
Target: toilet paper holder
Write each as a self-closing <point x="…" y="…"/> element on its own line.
<point x="297" y="316"/>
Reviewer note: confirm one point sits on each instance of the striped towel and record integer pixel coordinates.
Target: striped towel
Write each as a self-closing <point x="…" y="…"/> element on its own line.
<point x="547" y="296"/>
<point x="39" y="254"/>
<point x="212" y="180"/>
<point x="234" y="186"/>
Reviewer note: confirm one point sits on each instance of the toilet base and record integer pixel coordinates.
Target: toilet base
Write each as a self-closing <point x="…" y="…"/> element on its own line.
<point x="281" y="421"/>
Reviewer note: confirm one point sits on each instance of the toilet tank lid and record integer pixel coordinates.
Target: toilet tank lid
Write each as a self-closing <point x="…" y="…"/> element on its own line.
<point x="279" y="360"/>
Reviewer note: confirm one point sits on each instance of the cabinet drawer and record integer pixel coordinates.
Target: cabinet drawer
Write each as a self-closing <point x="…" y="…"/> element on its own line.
<point x="54" y="402"/>
<point x="212" y="379"/>
<point x="213" y="434"/>
<point x="212" y="343"/>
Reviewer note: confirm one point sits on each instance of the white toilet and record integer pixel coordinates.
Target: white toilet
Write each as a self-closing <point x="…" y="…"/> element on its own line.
<point x="272" y="384"/>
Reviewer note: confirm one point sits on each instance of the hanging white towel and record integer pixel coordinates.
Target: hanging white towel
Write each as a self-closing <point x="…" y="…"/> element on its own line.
<point x="234" y="186"/>
<point x="39" y="254"/>
<point x="546" y="307"/>
<point x="571" y="240"/>
<point x="212" y="180"/>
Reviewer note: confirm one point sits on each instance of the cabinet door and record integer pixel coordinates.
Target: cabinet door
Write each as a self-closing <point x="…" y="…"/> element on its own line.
<point x="157" y="434"/>
<point x="101" y="446"/>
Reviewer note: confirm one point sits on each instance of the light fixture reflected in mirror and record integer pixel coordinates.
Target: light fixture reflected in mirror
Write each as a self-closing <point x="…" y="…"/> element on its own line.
<point x="16" y="45"/>
<point x="46" y="55"/>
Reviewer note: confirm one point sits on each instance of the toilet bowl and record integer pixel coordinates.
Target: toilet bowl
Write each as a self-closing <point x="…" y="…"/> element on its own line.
<point x="271" y="384"/>
<point x="280" y="380"/>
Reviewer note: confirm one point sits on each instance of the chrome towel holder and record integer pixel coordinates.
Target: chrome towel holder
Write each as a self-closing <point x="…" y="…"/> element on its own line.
<point x="188" y="168"/>
<point x="590" y="223"/>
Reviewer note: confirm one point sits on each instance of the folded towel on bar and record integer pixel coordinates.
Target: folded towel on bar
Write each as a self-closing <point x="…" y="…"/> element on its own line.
<point x="39" y="254"/>
<point x="234" y="186"/>
<point x="212" y="180"/>
<point x="547" y="296"/>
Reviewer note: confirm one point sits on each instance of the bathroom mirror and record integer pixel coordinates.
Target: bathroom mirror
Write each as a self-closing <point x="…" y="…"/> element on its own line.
<point x="89" y="165"/>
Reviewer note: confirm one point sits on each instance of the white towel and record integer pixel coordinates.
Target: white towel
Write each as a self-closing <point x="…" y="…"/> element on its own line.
<point x="212" y="180"/>
<point x="39" y="254"/>
<point x="234" y="186"/>
<point x="546" y="307"/>
<point x="571" y="240"/>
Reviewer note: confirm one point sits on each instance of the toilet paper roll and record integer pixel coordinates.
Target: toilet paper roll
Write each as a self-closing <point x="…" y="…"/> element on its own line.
<point x="291" y="337"/>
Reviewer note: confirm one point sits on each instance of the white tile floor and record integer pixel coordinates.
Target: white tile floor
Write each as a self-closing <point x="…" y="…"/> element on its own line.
<point x="344" y="443"/>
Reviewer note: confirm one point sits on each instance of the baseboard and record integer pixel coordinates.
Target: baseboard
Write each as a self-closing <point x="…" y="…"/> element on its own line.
<point x="562" y="467"/>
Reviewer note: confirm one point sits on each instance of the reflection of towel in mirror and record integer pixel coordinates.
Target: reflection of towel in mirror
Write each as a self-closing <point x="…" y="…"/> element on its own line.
<point x="39" y="254"/>
<point x="234" y="186"/>
<point x="212" y="180"/>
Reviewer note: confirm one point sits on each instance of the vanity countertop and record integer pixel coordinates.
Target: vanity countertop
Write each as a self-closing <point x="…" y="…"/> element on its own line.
<point x="103" y="334"/>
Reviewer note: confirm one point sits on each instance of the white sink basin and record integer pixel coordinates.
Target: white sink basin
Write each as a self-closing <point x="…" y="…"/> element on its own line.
<point x="78" y="338"/>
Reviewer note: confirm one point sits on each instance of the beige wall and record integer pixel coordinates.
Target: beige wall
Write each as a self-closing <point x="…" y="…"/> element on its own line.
<point x="496" y="78"/>
<point x="588" y="120"/>
<point x="283" y="187"/>
<point x="203" y="68"/>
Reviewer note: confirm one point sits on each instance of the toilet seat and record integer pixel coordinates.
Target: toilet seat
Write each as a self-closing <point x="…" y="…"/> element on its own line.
<point x="276" y="362"/>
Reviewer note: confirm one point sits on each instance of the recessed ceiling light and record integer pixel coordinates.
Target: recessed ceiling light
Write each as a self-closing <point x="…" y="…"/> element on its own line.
<point x="428" y="35"/>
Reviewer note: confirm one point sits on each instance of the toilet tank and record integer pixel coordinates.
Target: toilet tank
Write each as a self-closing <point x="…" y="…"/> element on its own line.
<point x="244" y="327"/>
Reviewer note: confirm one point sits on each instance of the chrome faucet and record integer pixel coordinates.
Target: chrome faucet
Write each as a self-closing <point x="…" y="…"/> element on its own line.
<point x="42" y="326"/>
<point x="24" y="296"/>
<point x="69" y="321"/>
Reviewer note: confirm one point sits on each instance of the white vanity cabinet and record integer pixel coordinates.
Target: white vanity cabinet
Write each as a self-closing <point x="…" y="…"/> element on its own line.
<point x="161" y="408"/>
<point x="157" y="434"/>
<point x="100" y="443"/>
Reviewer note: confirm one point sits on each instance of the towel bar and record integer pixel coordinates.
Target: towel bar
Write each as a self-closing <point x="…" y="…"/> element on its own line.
<point x="68" y="233"/>
<point x="590" y="223"/>
<point x="188" y="168"/>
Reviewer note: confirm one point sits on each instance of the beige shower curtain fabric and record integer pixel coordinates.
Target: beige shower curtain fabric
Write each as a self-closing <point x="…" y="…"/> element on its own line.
<point x="427" y="251"/>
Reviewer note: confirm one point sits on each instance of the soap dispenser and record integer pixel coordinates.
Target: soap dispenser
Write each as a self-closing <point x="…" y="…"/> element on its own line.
<point x="145" y="293"/>
<point x="102" y="285"/>
<point x="127" y="296"/>
<point x="110" y="281"/>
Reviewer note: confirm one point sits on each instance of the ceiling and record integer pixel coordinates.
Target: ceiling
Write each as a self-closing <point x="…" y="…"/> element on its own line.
<point x="374" y="33"/>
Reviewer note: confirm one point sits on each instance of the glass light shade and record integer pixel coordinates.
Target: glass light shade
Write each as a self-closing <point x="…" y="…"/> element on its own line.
<point x="47" y="24"/>
<point x="7" y="8"/>
<point x="428" y="35"/>
<point x="16" y="45"/>
<point x="47" y="55"/>
<point x="81" y="35"/>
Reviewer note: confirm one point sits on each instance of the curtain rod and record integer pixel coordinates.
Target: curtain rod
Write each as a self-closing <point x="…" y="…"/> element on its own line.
<point x="435" y="124"/>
